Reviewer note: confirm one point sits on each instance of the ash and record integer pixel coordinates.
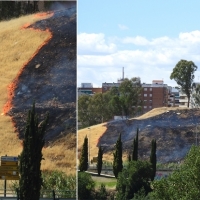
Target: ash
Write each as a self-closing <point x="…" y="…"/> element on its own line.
<point x="50" y="78"/>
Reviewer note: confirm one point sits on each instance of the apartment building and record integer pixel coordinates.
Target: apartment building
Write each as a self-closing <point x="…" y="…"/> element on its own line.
<point x="154" y="95"/>
<point x="107" y="86"/>
<point x="87" y="88"/>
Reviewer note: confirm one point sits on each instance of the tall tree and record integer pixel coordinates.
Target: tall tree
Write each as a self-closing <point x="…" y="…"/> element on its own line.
<point x="183" y="74"/>
<point x="83" y="166"/>
<point x="99" y="160"/>
<point x="135" y="147"/>
<point x="117" y="162"/>
<point x="31" y="156"/>
<point x="153" y="159"/>
<point x="130" y="91"/>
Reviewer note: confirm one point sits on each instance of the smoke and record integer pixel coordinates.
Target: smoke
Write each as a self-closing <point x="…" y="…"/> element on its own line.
<point x="62" y="5"/>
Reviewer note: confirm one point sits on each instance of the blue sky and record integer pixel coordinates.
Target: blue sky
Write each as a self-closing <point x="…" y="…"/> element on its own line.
<point x="147" y="38"/>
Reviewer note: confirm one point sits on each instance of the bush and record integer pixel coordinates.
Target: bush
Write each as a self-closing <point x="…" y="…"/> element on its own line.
<point x="136" y="176"/>
<point x="58" y="181"/>
<point x="85" y="186"/>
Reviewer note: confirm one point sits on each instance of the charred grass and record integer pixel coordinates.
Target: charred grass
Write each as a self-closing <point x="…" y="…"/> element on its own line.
<point x="18" y="45"/>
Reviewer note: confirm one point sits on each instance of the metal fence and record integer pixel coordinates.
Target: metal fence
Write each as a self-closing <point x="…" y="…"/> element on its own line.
<point x="44" y="194"/>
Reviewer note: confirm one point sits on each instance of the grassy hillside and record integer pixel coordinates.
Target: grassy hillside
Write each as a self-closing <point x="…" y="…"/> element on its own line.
<point x="95" y="132"/>
<point x="18" y="46"/>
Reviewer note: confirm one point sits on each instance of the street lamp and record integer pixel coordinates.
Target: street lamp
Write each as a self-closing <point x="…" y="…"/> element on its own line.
<point x="89" y="148"/>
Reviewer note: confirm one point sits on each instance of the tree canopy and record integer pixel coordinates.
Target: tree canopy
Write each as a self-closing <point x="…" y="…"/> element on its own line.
<point x="132" y="179"/>
<point x="122" y="101"/>
<point x="183" y="183"/>
<point x="183" y="74"/>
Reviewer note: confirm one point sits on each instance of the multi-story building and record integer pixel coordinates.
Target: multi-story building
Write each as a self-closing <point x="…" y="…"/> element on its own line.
<point x="87" y="88"/>
<point x="106" y="86"/>
<point x="154" y="95"/>
<point x="173" y="97"/>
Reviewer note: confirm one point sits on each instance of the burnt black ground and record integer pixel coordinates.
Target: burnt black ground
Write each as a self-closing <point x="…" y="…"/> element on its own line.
<point x="174" y="131"/>
<point x="50" y="78"/>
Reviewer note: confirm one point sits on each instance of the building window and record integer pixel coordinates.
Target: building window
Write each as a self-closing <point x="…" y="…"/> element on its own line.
<point x="150" y="89"/>
<point x="145" y="89"/>
<point x="145" y="107"/>
<point x="150" y="107"/>
<point x="145" y="95"/>
<point x="150" y="95"/>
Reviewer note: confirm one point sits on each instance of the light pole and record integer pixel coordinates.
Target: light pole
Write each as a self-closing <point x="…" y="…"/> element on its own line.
<point x="89" y="148"/>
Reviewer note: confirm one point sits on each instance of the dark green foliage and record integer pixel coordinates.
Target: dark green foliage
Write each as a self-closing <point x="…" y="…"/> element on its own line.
<point x="132" y="179"/>
<point x="183" y="74"/>
<point x="83" y="166"/>
<point x="85" y="186"/>
<point x="135" y="147"/>
<point x="129" y="157"/>
<point x="31" y="156"/>
<point x="58" y="181"/>
<point x="12" y="9"/>
<point x="117" y="162"/>
<point x="101" y="194"/>
<point x="99" y="160"/>
<point x="122" y="101"/>
<point x="183" y="183"/>
<point x="153" y="160"/>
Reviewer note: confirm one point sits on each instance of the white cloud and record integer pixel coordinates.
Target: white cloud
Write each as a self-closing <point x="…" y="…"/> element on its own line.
<point x="138" y="40"/>
<point x="148" y="59"/>
<point x="94" y="44"/>
<point x="122" y="27"/>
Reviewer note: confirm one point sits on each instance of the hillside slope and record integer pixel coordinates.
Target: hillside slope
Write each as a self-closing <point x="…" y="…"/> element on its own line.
<point x="48" y="77"/>
<point x="175" y="132"/>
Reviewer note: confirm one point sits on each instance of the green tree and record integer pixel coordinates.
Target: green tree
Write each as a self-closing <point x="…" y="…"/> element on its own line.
<point x="83" y="166"/>
<point x="183" y="183"/>
<point x="31" y="156"/>
<point x="117" y="162"/>
<point x="153" y="160"/>
<point x="84" y="114"/>
<point x="132" y="179"/>
<point x="129" y="91"/>
<point x="99" y="160"/>
<point x="115" y="104"/>
<point x="85" y="186"/>
<point x="183" y="74"/>
<point x="135" y="147"/>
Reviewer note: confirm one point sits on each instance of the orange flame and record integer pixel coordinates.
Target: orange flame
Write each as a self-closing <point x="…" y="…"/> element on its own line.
<point x="12" y="86"/>
<point x="44" y="14"/>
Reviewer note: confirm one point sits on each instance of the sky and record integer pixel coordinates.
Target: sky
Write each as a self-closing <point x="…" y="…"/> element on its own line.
<point x="147" y="38"/>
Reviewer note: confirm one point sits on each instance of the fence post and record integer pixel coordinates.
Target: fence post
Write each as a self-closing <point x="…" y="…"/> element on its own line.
<point x="54" y="195"/>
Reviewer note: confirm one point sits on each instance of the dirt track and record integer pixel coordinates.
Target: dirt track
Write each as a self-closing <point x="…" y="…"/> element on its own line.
<point x="50" y="78"/>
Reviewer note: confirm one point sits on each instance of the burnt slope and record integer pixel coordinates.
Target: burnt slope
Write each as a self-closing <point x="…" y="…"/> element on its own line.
<point x="175" y="132"/>
<point x="50" y="78"/>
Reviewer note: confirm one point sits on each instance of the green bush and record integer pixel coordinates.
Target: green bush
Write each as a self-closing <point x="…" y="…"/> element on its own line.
<point x="85" y="186"/>
<point x="60" y="182"/>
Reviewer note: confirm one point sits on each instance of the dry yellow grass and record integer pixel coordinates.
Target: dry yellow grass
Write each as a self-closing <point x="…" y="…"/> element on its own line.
<point x="158" y="111"/>
<point x="17" y="47"/>
<point x="98" y="130"/>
